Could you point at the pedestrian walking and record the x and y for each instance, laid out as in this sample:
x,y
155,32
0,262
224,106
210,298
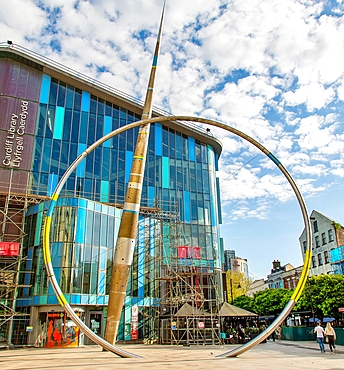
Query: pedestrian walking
x,y
330,334
319,331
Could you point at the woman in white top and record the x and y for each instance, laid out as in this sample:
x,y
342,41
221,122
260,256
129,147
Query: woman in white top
x,y
330,337
319,331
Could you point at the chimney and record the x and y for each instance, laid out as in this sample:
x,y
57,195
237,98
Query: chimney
x,y
276,265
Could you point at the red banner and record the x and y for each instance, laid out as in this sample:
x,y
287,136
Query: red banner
x,y
189,252
9,249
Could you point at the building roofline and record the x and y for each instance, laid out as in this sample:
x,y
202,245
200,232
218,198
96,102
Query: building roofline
x,y
57,70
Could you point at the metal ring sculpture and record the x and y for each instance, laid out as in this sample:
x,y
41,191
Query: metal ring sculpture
x,y
47,224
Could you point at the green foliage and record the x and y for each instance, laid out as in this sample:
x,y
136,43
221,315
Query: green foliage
x,y
337,225
245,302
323,294
271,301
267,302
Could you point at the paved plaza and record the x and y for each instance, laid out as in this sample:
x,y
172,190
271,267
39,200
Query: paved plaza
x,y
265,356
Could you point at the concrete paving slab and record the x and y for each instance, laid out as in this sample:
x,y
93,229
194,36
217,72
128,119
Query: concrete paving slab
x,y
265,356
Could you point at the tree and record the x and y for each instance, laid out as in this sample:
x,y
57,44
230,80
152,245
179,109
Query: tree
x,y
267,302
271,301
245,302
237,285
323,295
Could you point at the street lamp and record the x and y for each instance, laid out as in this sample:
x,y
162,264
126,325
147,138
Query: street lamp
x,y
231,286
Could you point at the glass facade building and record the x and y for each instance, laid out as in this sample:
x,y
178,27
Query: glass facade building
x,y
48,116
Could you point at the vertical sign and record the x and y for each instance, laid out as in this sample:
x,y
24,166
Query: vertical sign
x,y
134,322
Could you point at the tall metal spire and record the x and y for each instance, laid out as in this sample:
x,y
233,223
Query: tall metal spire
x,y
129,222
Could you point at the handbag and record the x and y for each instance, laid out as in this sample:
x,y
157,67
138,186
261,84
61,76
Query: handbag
x,y
326,339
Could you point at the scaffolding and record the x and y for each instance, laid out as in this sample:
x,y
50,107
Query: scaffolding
x,y
186,305
13,204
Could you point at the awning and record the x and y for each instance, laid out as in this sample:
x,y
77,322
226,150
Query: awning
x,y
233,311
328,319
188,310
314,320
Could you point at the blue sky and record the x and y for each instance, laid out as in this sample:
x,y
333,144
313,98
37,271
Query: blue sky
x,y
272,69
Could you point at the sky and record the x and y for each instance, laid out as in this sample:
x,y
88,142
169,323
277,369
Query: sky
x,y
272,69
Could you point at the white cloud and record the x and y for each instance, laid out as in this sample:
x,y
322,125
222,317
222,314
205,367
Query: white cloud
x,y
314,96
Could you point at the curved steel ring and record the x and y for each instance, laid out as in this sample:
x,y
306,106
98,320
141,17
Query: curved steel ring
x,y
47,224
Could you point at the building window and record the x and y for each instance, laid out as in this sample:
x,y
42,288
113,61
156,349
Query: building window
x,y
317,241
326,257
330,236
304,246
313,262
315,226
323,238
320,259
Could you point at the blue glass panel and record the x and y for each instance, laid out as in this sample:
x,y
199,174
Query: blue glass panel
x,y
58,127
151,196
191,141
105,168
107,130
216,162
85,101
61,95
82,203
76,299
101,107
56,256
52,182
99,127
104,191
70,97
29,260
108,109
91,129
81,226
46,155
38,154
101,283
64,158
80,170
213,211
165,173
52,299
219,211
45,88
67,125
187,213
77,99
101,300
38,228
55,156
53,92
211,158
41,120
93,106
84,299
179,146
98,154
75,126
128,164
83,127
102,255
